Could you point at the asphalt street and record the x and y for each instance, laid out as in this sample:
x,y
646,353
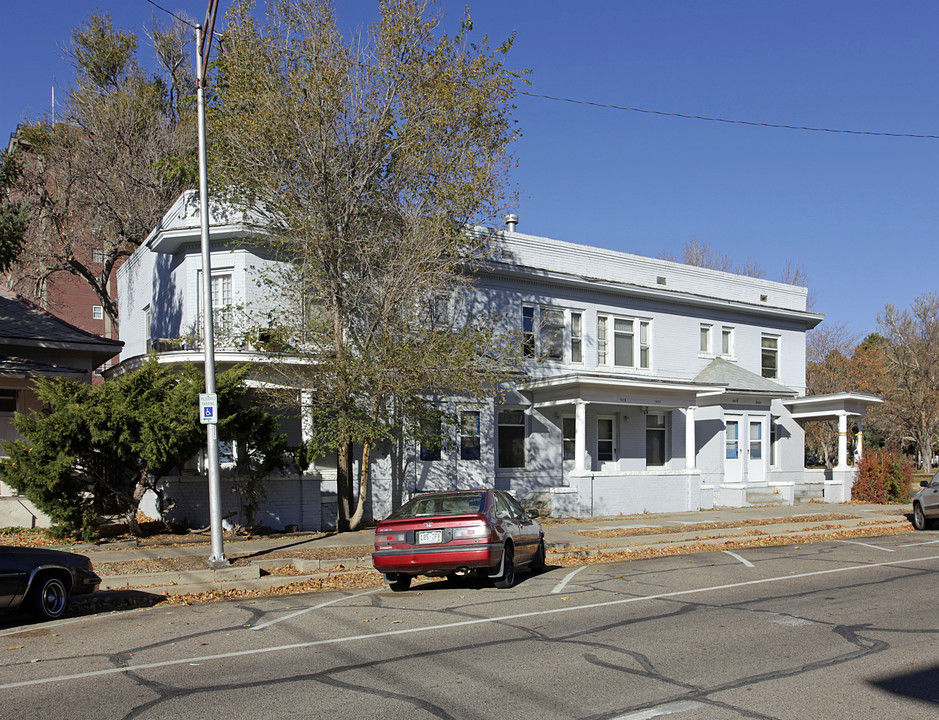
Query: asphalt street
x,y
840,629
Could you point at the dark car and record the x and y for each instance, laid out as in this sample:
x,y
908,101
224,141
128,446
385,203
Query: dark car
x,y
926,504
456,533
43,580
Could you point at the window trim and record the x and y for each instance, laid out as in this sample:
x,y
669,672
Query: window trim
x,y
727,331
776,352
499,438
705,346
470,451
663,429
606,342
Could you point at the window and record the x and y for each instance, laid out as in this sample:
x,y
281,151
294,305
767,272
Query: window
x,y
511,438
7,402
430,447
146,328
631,342
655,440
569,434
605,447
756,441
727,341
577,340
732,440
528,331
469,435
705,344
221,301
545,332
552,333
97,256
770,357
97,312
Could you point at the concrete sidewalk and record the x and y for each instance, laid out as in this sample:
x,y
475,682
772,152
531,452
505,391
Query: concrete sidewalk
x,y
181,568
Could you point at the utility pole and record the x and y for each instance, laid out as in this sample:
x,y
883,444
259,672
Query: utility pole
x,y
208,407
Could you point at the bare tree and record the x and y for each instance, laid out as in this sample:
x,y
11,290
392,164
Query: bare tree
x,y
912,355
99,178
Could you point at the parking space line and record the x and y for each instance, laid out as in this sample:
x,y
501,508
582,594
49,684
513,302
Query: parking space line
x,y
917,544
315,607
567,578
868,545
741,559
669,709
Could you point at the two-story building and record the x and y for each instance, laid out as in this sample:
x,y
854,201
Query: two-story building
x,y
649,385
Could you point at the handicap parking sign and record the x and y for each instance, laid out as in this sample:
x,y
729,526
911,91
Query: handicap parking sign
x,y
208,408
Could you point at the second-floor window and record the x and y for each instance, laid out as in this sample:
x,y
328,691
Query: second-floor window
x,y
547,330
624,342
704,344
469,435
769,357
727,341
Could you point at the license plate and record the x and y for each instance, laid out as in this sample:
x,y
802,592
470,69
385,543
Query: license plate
x,y
425,537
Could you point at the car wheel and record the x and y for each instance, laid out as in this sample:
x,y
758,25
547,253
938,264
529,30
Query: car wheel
x,y
49,598
399,582
919,518
507,578
538,562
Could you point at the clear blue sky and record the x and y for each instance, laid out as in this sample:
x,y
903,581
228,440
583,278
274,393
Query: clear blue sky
x,y
859,212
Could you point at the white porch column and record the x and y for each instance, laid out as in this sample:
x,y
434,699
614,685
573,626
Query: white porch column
x,y
842,441
859,442
690,460
580,435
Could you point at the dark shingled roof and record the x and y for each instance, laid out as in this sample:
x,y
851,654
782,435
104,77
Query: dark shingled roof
x,y
23,323
23,367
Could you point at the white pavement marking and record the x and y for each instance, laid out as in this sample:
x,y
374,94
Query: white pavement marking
x,y
655,712
737,557
567,578
315,607
462,623
868,545
917,544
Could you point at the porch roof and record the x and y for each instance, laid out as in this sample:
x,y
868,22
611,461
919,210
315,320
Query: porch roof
x,y
737,380
831,404
620,390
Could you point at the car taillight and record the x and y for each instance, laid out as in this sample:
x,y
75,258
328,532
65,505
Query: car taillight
x,y
383,538
471,531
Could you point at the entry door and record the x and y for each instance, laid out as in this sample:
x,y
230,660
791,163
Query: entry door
x,y
756,450
733,452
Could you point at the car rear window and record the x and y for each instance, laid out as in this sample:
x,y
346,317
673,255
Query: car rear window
x,y
448,504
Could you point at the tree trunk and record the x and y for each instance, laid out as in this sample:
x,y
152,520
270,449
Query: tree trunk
x,y
363,488
343,486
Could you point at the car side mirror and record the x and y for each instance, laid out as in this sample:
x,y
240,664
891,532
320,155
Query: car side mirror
x,y
533,514
924,483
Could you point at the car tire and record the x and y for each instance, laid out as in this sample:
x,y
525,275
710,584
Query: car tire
x,y
49,597
507,578
919,518
399,582
538,562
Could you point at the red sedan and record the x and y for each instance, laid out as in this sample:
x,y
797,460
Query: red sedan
x,y
458,532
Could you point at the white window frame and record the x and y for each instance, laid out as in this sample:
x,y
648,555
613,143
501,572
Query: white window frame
x,y
222,312
663,430
641,341
536,331
97,312
777,350
704,339
523,425
727,331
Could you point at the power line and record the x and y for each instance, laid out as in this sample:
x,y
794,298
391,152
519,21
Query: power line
x,y
725,120
169,12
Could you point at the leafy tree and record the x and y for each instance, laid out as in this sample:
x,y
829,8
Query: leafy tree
x,y
912,359
97,449
883,476
369,159
99,177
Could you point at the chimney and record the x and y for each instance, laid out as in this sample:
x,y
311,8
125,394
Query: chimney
x,y
511,221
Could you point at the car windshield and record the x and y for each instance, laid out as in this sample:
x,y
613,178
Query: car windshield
x,y
445,504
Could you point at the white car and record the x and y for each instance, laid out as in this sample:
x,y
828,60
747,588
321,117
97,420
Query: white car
x,y
926,504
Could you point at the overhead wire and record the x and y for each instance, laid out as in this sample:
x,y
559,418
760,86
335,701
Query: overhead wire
x,y
726,120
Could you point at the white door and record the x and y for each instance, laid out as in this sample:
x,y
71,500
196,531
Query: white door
x,y
733,467
756,450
